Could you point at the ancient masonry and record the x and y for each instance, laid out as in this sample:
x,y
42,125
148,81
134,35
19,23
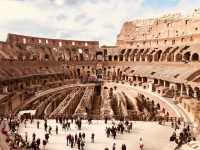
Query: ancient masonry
x,y
159,55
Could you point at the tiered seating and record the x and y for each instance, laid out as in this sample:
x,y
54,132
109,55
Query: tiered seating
x,y
61,107
70,103
85,102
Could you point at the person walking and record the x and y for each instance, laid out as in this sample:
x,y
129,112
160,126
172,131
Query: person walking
x,y
82,144
56,130
141,145
114,146
38,124
92,137
26,136
44,144
79,143
123,147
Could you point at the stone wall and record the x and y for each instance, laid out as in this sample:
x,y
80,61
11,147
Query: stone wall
x,y
170,29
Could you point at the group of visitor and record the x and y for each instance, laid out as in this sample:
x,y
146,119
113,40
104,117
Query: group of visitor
x,y
181,135
120,128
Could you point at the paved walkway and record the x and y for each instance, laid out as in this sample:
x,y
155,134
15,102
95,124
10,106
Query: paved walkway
x,y
149,131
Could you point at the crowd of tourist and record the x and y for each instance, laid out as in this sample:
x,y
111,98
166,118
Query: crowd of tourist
x,y
119,128
9,127
182,134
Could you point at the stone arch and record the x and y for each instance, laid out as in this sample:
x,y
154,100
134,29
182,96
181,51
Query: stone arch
x,y
197,91
120,57
115,58
109,58
191,92
149,58
155,81
99,55
178,57
81,57
46,57
195,57
157,55
187,56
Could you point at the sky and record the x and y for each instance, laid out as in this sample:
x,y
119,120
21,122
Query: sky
x,y
99,20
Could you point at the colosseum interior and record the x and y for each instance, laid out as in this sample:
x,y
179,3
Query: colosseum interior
x,y
151,74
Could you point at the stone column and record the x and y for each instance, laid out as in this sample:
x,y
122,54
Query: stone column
x,y
136,78
129,59
187,91
181,93
164,83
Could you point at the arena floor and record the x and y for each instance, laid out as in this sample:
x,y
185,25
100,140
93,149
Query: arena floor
x,y
155,136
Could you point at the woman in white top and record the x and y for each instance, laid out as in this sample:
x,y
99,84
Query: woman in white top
x,y
141,145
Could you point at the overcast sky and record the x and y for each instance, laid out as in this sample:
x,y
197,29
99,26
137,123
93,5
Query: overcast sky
x,y
81,19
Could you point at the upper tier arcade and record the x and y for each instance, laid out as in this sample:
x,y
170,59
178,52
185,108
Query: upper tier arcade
x,y
172,29
30,40
20,47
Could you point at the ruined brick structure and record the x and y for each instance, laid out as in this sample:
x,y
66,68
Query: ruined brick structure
x,y
159,55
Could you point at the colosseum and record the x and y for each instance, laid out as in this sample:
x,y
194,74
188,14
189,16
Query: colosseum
x,y
145,89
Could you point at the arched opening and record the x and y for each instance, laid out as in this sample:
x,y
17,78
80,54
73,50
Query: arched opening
x,y
191,92
109,58
157,55
99,56
78,72
105,53
187,56
195,57
178,57
197,91
46,57
115,58
81,57
149,58
120,57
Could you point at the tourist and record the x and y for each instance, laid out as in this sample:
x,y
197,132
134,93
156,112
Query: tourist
x,y
83,135
38,124
45,125
108,132
50,128
106,120
76,138
34,136
79,143
114,146
72,141
82,144
123,147
92,137
141,145
44,144
38,143
56,129
68,137
47,137
26,136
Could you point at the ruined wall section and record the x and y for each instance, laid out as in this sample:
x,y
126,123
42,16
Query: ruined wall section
x,y
170,29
